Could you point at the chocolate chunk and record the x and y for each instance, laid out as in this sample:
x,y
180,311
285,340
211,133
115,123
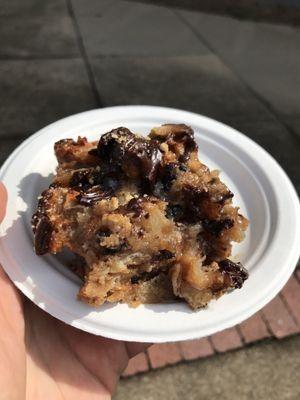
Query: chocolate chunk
x,y
135,205
174,211
189,146
85,179
135,279
103,232
111,146
167,175
80,179
183,167
223,197
235,272
137,157
195,203
216,227
43,234
163,255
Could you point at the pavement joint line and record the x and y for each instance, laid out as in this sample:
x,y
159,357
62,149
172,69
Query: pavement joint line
x,y
289,310
148,359
238,329
265,320
257,96
212,344
38,57
82,50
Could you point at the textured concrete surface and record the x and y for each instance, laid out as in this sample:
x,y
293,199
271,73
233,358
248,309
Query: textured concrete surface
x,y
263,55
202,84
39,92
269,370
123,28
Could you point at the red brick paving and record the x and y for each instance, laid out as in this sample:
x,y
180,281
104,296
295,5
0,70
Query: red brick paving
x,y
280,318
193,349
291,296
226,340
254,329
163,354
137,364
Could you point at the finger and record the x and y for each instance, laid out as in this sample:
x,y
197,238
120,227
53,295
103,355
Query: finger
x,y
3,201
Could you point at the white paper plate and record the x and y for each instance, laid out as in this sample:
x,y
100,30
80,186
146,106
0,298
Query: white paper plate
x,y
262,189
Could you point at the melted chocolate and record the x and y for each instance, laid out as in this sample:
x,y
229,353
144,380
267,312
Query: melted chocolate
x,y
135,205
235,272
91,196
195,201
163,255
174,211
43,234
136,156
216,227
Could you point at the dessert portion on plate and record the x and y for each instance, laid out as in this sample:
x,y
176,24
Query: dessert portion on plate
x,y
147,221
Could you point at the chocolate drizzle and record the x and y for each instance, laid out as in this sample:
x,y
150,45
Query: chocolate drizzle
x,y
92,195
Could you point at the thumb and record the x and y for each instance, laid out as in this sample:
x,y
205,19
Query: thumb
x,y
3,201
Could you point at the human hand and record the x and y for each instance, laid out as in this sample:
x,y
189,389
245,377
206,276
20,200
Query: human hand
x,y
43,358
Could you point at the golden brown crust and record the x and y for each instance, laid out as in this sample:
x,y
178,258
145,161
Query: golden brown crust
x,y
148,220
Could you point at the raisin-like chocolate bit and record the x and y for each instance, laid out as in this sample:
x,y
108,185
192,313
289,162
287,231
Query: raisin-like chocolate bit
x,y
135,279
167,174
103,232
81,178
163,255
183,167
223,197
195,201
135,205
235,272
174,211
91,196
43,234
216,227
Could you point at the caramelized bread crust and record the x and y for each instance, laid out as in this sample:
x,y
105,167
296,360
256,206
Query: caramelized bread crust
x,y
146,219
